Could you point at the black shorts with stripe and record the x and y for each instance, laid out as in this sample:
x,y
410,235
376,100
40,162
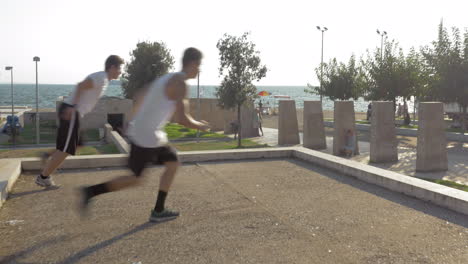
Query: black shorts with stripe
x,y
68,135
140,156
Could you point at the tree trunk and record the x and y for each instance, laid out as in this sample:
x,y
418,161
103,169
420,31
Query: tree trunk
x,y
239,126
463,121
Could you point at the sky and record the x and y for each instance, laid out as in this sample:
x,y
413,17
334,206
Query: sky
x,y
73,38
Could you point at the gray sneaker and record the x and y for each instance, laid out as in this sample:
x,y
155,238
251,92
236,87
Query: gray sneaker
x,y
165,215
48,182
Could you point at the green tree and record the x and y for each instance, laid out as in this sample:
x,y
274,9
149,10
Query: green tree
x,y
149,60
240,66
447,62
340,81
392,75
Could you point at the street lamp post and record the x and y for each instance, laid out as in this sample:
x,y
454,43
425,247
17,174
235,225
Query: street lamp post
x,y
321,64
198,103
382,35
37,59
10,68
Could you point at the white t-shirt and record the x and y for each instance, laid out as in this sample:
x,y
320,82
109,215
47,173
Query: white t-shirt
x,y
147,127
90,97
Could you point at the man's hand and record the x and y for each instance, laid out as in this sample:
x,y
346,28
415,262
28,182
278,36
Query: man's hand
x,y
68,113
203,125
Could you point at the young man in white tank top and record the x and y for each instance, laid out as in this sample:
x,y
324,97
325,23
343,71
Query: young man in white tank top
x,y
82,101
164,97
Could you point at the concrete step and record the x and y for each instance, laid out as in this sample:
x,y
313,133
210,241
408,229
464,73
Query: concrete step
x,y
10,169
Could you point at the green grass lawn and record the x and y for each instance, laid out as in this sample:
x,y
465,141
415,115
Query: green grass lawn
x,y
48,131
364,122
96,150
216,145
449,184
176,131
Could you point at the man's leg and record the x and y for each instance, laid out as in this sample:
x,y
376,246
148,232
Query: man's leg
x,y
160,213
56,159
66,144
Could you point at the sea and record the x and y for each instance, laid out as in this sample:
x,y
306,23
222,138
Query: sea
x,y
25,95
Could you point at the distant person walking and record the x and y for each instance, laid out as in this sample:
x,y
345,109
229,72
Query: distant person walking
x,y
258,120
369,111
82,101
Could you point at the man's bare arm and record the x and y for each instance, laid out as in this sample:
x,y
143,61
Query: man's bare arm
x,y
82,86
176,90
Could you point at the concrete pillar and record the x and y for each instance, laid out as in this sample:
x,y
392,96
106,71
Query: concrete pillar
x,y
343,116
432,144
107,133
383,142
288,130
314,131
247,119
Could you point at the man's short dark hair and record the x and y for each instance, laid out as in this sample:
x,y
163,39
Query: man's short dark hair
x,y
113,60
191,55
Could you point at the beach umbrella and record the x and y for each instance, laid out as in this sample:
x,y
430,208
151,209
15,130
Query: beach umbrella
x,y
263,93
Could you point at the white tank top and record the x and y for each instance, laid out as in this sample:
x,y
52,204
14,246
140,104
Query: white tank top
x,y
90,97
147,127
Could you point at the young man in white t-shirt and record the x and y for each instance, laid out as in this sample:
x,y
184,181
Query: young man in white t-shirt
x,y
149,144
82,101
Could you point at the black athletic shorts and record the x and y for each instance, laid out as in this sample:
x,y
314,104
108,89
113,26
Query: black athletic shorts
x,y
68,135
140,156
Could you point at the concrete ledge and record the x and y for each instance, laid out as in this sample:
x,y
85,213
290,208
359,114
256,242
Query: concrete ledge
x,y
10,170
107,133
408,132
447,197
450,198
79,162
119,142
119,160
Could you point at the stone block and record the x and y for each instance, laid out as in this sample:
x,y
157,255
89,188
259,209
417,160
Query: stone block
x,y
288,130
314,131
383,142
432,142
343,120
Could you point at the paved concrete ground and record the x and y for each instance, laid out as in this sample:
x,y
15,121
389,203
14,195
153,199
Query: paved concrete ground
x,y
273,211
457,158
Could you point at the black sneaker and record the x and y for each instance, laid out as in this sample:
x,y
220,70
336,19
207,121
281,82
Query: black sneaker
x,y
85,199
165,215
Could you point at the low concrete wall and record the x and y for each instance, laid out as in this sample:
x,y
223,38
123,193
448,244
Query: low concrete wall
x,y
220,119
119,160
98,117
107,133
119,142
447,197
451,136
29,117
10,170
